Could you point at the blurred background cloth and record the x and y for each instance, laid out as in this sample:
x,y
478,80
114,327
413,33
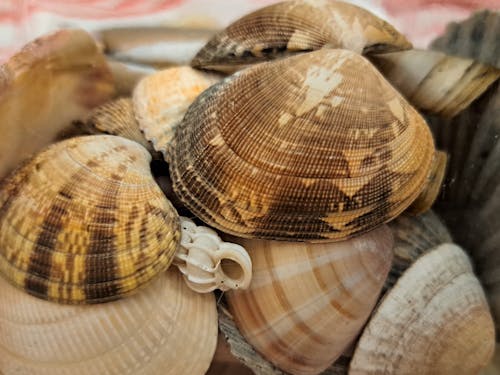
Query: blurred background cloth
x,y
23,20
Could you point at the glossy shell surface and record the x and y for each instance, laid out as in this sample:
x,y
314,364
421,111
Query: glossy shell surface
x,y
85,222
307,302
165,329
317,146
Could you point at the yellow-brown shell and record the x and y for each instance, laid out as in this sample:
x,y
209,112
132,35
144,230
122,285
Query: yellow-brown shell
x,y
85,222
317,146
161,100
293,27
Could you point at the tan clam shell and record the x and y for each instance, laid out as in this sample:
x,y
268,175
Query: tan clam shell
x,y
317,146
117,117
53,80
436,82
85,222
161,100
307,302
293,27
164,329
435,320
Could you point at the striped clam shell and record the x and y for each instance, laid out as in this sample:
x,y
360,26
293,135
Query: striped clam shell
x,y
435,320
85,222
318,146
161,100
165,329
293,27
307,302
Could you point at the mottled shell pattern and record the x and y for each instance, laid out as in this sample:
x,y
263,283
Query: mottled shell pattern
x,y
166,329
307,302
435,321
161,100
85,222
292,27
315,147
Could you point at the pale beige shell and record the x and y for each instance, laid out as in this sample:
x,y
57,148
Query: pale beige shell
x,y
292,27
162,99
307,302
53,80
434,81
435,320
164,329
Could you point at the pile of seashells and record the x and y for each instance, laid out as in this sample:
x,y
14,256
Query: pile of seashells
x,y
312,162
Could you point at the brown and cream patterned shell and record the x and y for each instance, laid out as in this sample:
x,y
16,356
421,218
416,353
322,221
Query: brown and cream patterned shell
x,y
318,146
307,302
293,27
85,222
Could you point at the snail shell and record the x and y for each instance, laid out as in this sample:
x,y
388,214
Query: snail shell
x,y
434,321
307,302
85,222
317,146
161,100
165,329
293,27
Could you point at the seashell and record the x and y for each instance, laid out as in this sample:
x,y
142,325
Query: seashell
x,y
117,117
292,27
470,201
85,222
435,320
158,45
164,329
307,302
208,263
434,81
127,75
53,80
475,38
162,99
413,237
305,150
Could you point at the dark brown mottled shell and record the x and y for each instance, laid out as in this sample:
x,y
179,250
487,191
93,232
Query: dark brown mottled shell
x,y
85,222
317,146
293,27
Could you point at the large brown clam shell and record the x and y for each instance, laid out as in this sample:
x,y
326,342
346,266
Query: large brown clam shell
x,y
166,329
85,222
317,146
435,320
307,302
293,27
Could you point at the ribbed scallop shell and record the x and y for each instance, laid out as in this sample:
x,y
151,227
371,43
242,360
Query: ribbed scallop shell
x,y
85,222
161,100
435,320
293,27
166,329
117,117
307,302
317,146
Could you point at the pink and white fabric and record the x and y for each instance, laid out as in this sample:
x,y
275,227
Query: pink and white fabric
x,y
23,20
